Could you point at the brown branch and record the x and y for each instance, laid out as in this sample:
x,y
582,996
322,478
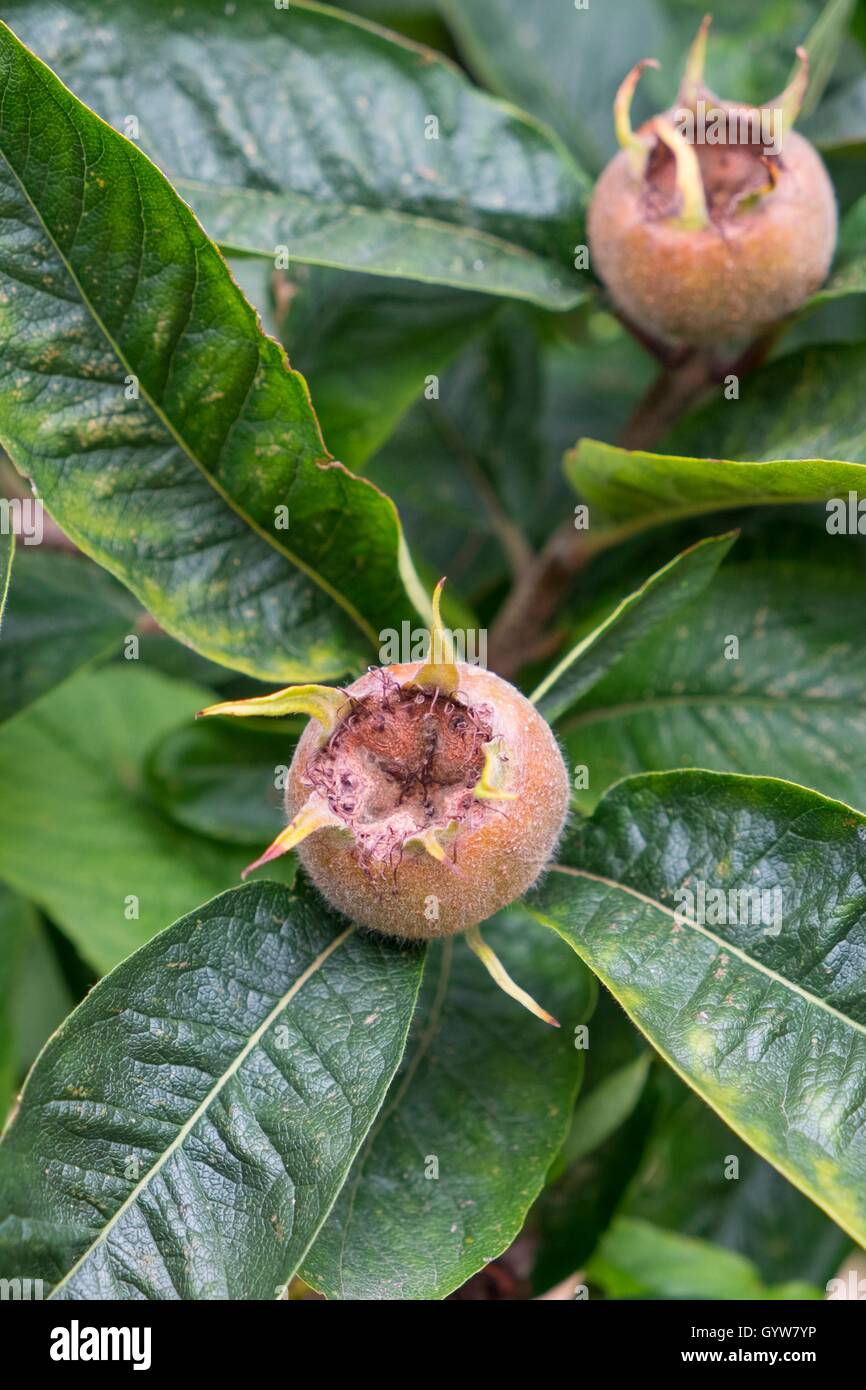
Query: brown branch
x,y
520,626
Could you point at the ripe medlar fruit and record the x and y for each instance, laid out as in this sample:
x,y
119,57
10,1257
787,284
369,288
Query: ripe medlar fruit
x,y
422,798
716,219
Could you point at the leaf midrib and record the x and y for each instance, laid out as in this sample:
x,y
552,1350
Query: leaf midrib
x,y
164,420
384,214
719,941
204,1105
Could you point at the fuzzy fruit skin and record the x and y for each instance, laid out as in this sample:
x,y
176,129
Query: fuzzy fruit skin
x,y
497,861
725,282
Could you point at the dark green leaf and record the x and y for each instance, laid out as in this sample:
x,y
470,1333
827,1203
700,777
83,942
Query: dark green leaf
x,y
223,780
637,1259
484,1094
848,275
795,435
368,347
80,835
587,1183
306,129
765,1015
109,289
634,619
17,923
698,1178
63,614
792,704
184,1134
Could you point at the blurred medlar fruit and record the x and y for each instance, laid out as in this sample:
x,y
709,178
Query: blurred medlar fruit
x,y
715,220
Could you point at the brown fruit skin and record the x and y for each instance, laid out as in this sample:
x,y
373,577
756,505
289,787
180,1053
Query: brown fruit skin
x,y
729,281
496,861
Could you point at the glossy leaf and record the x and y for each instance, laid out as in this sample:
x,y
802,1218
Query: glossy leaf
x,y
765,1016
633,619
63,613
185,1132
482,1099
330,154
161,427
792,704
81,836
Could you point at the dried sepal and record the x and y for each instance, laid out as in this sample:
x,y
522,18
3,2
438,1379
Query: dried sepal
x,y
439,672
321,702
492,785
316,815
497,971
636,146
692,86
690,185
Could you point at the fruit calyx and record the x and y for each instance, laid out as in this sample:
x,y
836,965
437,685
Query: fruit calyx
x,y
692,183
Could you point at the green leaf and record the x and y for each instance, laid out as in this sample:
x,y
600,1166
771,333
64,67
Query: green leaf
x,y
636,1258
765,1016
368,345
791,705
839,125
823,46
699,1179
595,1168
330,153
633,619
185,1133
565,62
485,1093
17,923
63,614
180,490
602,1110
42,998
80,835
220,778
561,63
796,435
487,455
848,275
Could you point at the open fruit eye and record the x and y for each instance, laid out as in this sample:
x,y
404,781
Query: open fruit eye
x,y
716,219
